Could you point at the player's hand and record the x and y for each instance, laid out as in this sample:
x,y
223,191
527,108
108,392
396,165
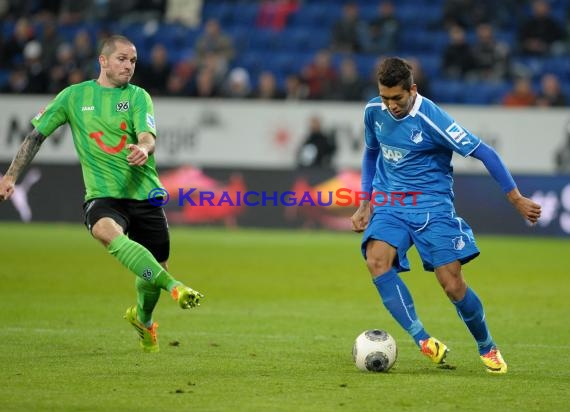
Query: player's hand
x,y
7,185
528,209
360,218
138,155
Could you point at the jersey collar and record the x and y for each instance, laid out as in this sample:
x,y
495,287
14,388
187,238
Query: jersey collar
x,y
415,107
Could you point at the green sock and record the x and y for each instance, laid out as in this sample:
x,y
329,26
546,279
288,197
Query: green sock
x,y
141,262
147,298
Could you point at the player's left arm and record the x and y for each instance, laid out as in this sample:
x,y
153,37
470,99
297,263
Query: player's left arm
x,y
140,151
527,208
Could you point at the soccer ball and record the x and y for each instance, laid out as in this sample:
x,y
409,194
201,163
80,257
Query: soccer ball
x,y
374,350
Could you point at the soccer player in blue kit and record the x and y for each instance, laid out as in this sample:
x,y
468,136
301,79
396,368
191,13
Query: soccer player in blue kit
x,y
409,142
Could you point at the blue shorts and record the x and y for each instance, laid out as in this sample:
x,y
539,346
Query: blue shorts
x,y
439,237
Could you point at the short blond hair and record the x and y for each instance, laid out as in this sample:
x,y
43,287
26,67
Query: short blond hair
x,y
109,45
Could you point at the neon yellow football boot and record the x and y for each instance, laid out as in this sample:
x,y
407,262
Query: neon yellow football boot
x,y
494,362
148,336
434,349
186,297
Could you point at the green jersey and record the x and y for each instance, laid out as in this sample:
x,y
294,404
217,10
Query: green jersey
x,y
104,121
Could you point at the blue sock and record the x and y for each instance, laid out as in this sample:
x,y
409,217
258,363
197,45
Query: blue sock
x,y
470,310
397,299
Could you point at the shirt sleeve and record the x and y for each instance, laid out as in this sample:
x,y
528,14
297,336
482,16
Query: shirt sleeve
x,y
369,136
495,166
452,135
143,119
53,115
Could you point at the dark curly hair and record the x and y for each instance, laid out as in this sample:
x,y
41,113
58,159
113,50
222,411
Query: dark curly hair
x,y
394,71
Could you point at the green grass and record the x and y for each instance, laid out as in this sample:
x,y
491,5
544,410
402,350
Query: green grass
x,y
275,332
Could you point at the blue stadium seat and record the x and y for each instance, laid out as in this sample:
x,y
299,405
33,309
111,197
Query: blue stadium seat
x,y
559,66
4,75
447,91
430,63
245,14
223,12
172,35
484,93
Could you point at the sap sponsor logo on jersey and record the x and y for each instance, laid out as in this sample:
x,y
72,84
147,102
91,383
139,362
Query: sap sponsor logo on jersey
x,y
416,136
393,154
87,108
457,133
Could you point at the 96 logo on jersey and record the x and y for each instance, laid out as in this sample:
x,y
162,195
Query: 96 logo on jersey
x,y
393,154
122,106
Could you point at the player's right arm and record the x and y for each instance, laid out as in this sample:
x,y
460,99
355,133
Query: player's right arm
x,y
361,217
45,122
27,151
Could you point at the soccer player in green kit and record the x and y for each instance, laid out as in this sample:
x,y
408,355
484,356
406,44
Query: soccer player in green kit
x,y
113,128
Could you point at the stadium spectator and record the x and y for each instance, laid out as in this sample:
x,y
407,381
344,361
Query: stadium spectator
x,y
50,40
237,84
74,12
550,93
205,84
457,60
491,58
420,79
541,34
152,9
84,52
181,77
185,12
347,31
562,155
213,41
176,86
76,76
295,88
155,73
14,9
35,70
381,35
267,87
121,206
4,61
17,81
468,13
445,242
320,75
485,61
14,47
349,86
521,94
274,14
59,73
318,148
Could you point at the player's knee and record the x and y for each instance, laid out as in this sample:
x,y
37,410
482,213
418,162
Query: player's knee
x,y
105,230
455,288
377,265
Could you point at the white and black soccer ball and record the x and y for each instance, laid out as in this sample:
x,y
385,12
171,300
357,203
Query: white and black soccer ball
x,y
374,350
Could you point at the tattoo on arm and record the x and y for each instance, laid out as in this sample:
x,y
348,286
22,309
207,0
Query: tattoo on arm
x,y
26,153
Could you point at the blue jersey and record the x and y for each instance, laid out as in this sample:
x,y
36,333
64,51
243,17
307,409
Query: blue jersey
x,y
414,160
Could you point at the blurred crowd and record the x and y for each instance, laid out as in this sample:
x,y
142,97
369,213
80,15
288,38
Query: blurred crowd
x,y
47,45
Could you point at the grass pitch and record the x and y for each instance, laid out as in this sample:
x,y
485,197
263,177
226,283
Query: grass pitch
x,y
275,331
